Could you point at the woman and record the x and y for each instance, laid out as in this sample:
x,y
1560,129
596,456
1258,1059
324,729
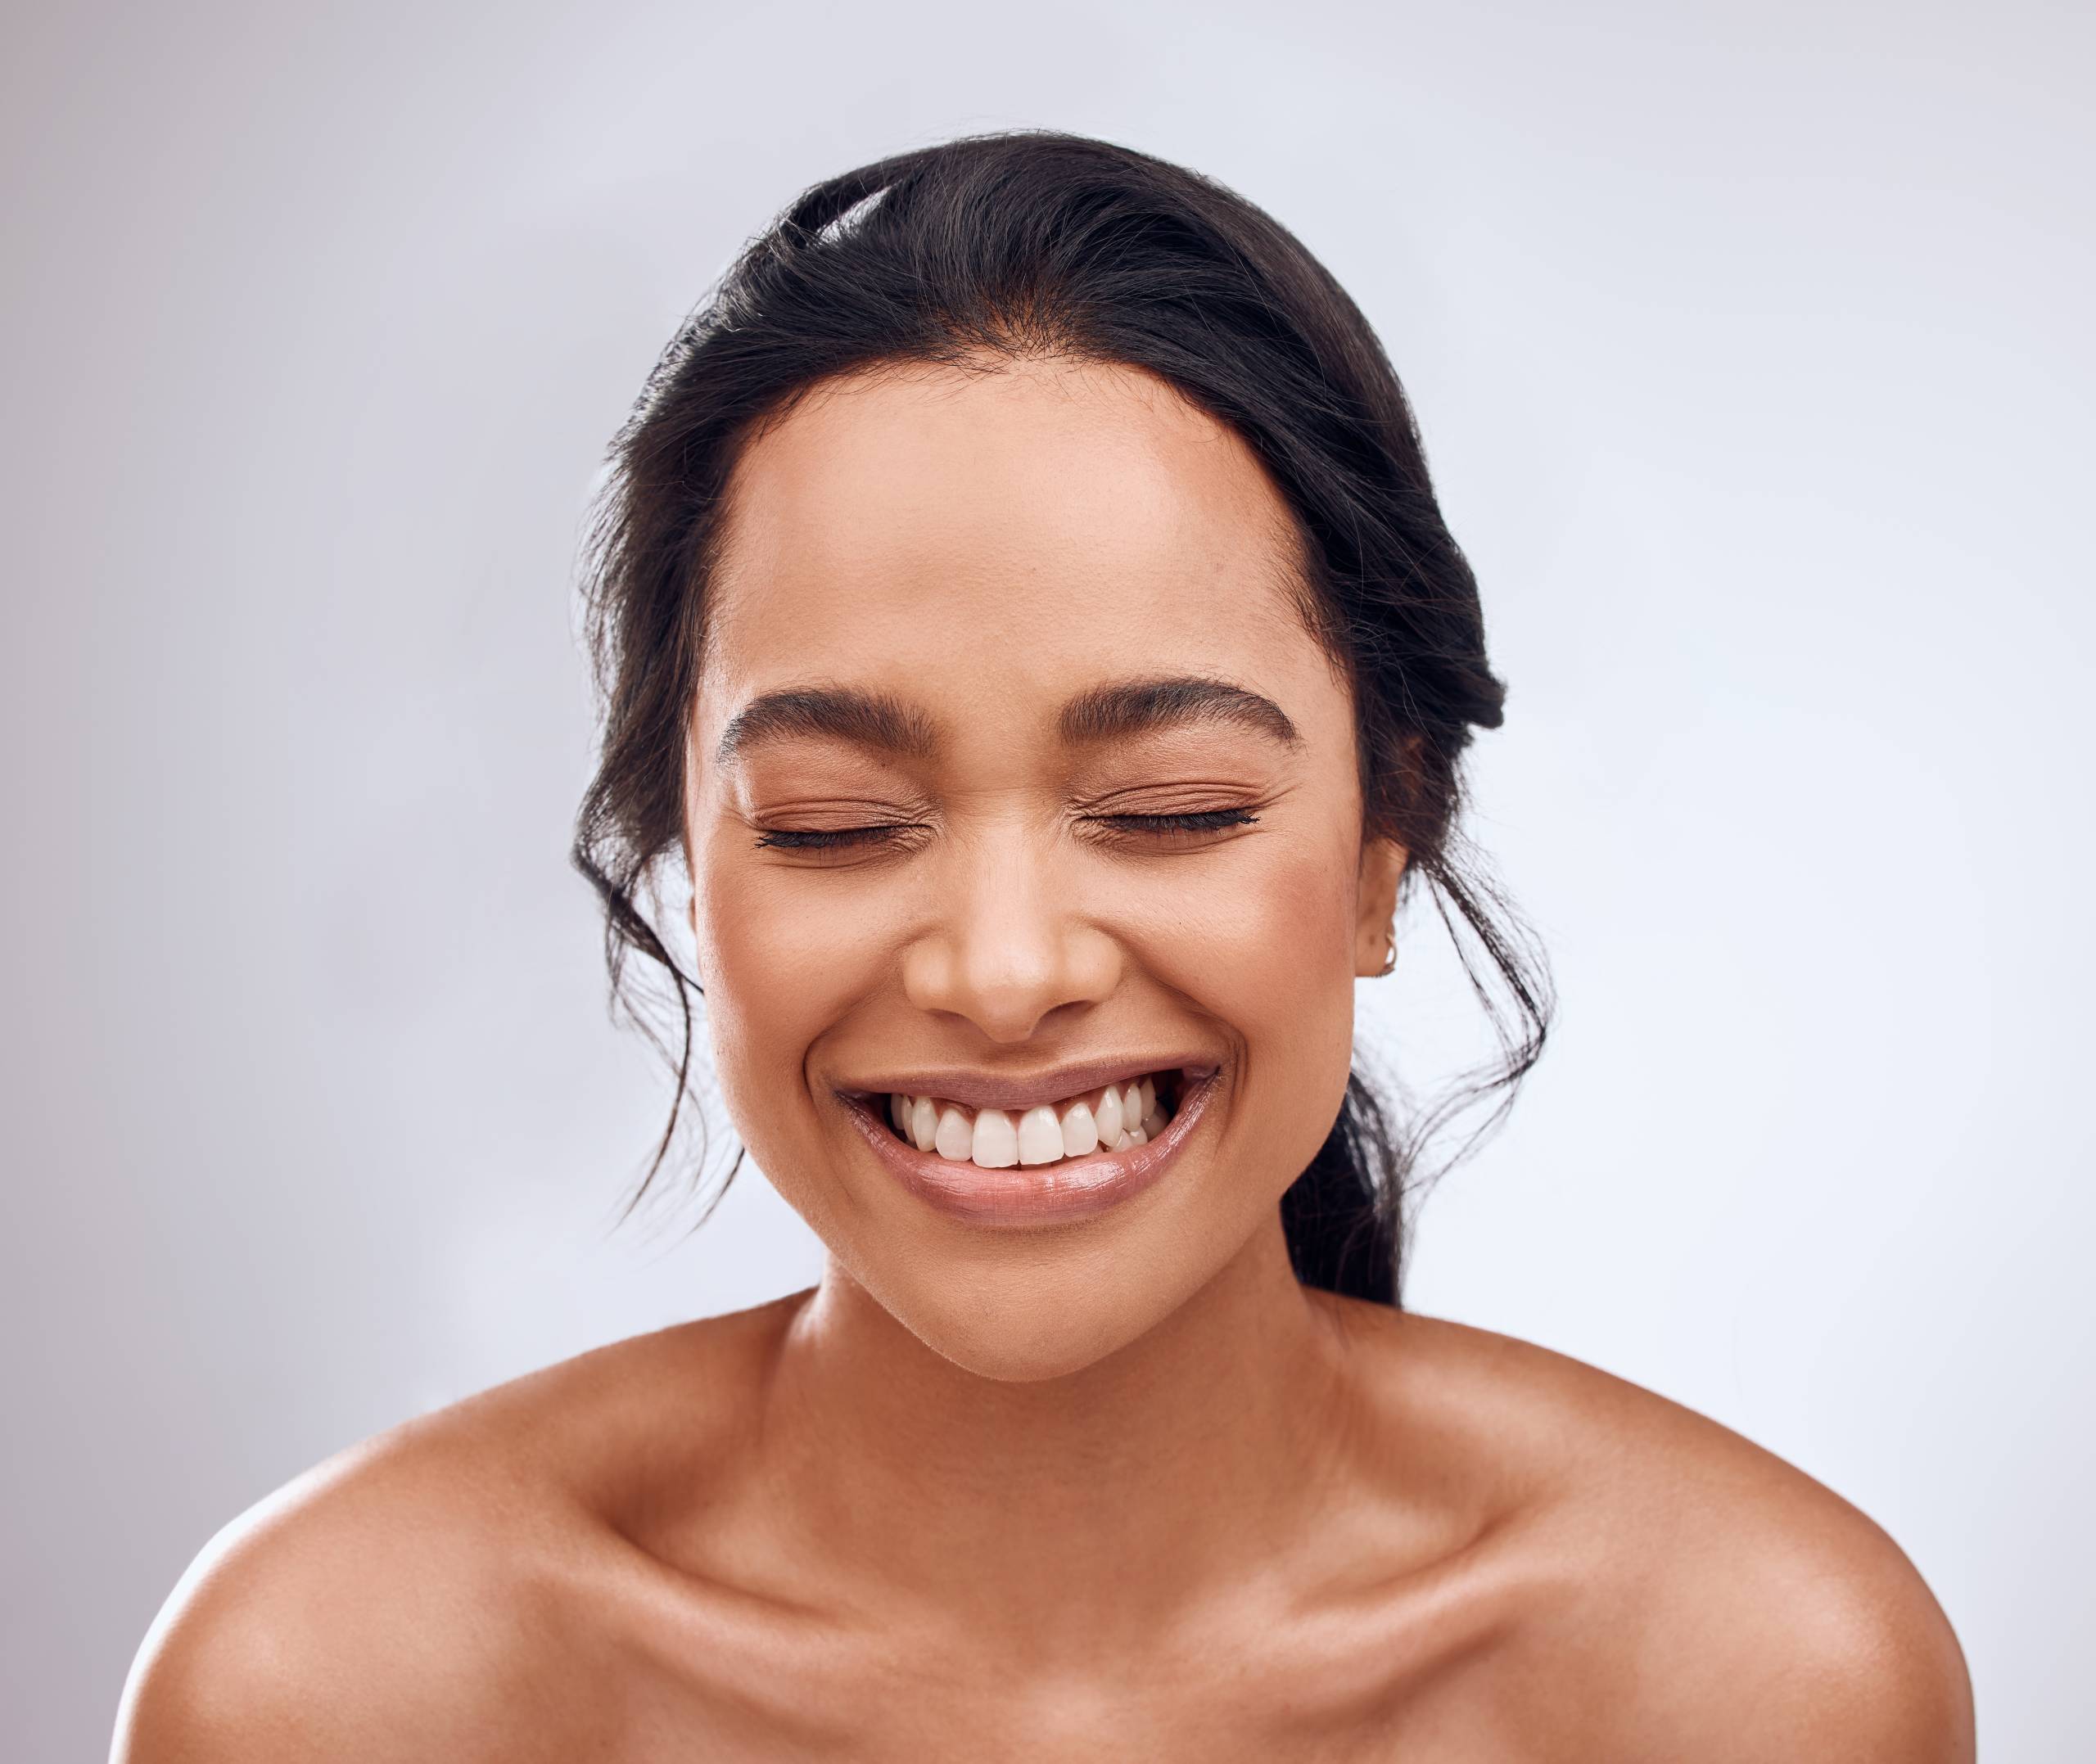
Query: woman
x,y
1024,609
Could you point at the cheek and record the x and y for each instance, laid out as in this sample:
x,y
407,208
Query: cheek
x,y
1269,952
781,964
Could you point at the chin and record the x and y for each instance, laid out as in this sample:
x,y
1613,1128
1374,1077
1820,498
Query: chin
x,y
1026,1326
1023,1356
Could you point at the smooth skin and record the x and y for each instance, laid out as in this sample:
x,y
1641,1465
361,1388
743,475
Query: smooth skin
x,y
1113,1489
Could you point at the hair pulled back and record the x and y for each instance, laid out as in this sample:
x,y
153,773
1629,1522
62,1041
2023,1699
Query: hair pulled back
x,y
1049,245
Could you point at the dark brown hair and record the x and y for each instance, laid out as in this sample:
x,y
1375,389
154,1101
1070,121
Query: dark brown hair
x,y
1035,244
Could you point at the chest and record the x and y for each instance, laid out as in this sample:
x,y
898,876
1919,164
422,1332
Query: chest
x,y
1286,1698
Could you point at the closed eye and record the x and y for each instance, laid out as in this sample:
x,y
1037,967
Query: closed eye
x,y
1139,836
793,839
1204,821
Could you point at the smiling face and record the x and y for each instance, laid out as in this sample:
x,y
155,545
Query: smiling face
x,y
1012,756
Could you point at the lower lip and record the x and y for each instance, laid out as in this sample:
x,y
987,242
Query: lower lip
x,y
1034,1195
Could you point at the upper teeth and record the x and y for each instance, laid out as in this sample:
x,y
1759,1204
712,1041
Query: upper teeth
x,y
1116,1118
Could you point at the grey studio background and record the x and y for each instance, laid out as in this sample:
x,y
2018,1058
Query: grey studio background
x,y
1751,347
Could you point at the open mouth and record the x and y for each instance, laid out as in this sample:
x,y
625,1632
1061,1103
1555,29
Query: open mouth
x,y
1047,1164
1110,1119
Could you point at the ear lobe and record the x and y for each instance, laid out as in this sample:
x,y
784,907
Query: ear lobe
x,y
1383,864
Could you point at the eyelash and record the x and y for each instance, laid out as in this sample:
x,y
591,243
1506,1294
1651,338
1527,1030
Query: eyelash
x,y
1207,821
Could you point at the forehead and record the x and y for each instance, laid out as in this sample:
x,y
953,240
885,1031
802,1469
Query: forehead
x,y
1036,522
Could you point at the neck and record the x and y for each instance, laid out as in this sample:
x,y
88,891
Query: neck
x,y
1119,1493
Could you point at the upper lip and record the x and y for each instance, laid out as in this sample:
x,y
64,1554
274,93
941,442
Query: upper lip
x,y
983,1090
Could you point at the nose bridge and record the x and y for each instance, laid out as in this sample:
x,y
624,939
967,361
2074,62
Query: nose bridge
x,y
1007,943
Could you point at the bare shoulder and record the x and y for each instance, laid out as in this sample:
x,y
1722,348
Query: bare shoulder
x,y
1680,1591
435,1592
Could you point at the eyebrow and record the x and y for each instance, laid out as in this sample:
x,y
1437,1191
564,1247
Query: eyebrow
x,y
837,713
1119,711
1135,707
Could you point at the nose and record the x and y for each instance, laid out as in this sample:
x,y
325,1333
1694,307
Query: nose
x,y
1009,946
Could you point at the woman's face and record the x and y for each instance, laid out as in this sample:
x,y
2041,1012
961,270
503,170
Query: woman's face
x,y
967,630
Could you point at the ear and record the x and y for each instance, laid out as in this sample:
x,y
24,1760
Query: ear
x,y
1382,868
691,908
